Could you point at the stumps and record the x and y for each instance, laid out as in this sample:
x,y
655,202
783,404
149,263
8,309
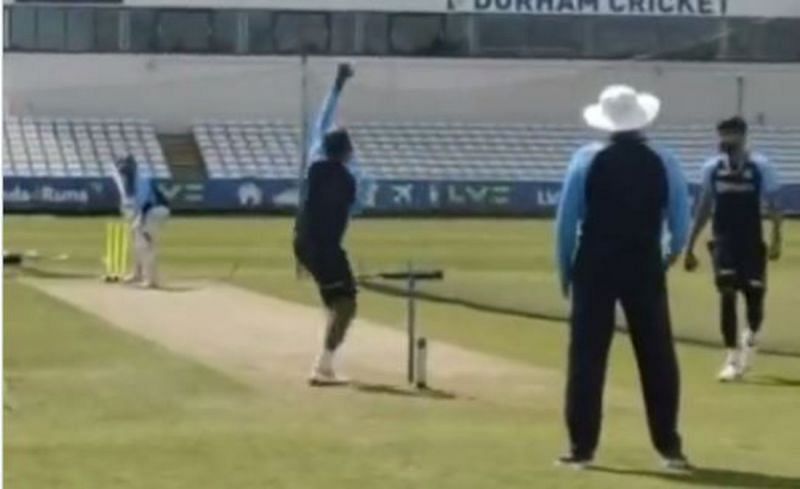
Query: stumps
x,y
116,254
417,359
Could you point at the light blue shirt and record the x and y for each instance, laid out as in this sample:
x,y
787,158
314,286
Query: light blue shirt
x,y
322,125
136,189
572,208
144,196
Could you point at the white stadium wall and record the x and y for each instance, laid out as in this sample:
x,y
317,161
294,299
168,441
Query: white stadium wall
x,y
173,91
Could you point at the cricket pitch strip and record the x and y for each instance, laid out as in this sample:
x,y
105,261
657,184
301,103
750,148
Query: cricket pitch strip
x,y
270,342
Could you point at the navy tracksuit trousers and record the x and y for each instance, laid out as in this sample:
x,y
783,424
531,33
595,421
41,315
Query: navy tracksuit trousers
x,y
643,297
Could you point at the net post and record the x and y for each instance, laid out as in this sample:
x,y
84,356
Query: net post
x,y
304,145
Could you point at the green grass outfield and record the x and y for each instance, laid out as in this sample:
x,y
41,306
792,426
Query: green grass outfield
x,y
93,407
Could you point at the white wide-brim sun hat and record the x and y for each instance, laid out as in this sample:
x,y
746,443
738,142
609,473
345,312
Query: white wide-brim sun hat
x,y
621,108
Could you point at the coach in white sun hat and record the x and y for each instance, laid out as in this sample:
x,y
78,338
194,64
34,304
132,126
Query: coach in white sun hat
x,y
618,197
621,108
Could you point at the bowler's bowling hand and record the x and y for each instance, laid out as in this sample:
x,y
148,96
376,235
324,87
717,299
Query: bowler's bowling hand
x,y
690,262
775,250
345,72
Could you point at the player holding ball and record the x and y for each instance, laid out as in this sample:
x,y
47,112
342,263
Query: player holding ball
x,y
327,199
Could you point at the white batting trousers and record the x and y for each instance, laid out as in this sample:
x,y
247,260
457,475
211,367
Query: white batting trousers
x,y
146,229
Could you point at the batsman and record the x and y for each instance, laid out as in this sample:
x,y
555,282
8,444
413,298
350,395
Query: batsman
x,y
147,209
328,197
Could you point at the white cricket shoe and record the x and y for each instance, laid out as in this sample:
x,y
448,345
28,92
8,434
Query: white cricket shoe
x,y
678,463
323,373
135,277
574,462
132,279
731,369
325,378
749,349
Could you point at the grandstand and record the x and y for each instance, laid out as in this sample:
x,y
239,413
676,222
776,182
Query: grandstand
x,y
473,106
248,148
452,151
81,148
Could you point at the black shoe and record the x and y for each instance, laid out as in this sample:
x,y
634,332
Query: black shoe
x,y
574,462
677,463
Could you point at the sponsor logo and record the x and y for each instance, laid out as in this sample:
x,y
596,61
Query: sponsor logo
x,y
458,5
46,194
433,195
402,194
250,195
548,198
368,194
478,194
594,7
183,193
288,198
735,187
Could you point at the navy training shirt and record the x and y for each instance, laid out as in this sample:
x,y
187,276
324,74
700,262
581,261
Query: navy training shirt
x,y
626,194
737,194
330,193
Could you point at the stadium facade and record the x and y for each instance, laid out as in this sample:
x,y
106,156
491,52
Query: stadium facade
x,y
115,75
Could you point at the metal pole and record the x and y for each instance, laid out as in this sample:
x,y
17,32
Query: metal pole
x,y
725,39
304,117
412,322
740,95
304,149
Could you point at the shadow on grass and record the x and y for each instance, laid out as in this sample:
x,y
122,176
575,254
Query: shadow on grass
x,y
708,477
395,291
772,381
391,390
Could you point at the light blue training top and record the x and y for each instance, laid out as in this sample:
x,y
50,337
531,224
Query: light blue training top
x,y
145,196
136,189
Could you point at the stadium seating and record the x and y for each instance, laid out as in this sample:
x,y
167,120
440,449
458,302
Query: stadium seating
x,y
458,151
80,148
62,147
248,148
